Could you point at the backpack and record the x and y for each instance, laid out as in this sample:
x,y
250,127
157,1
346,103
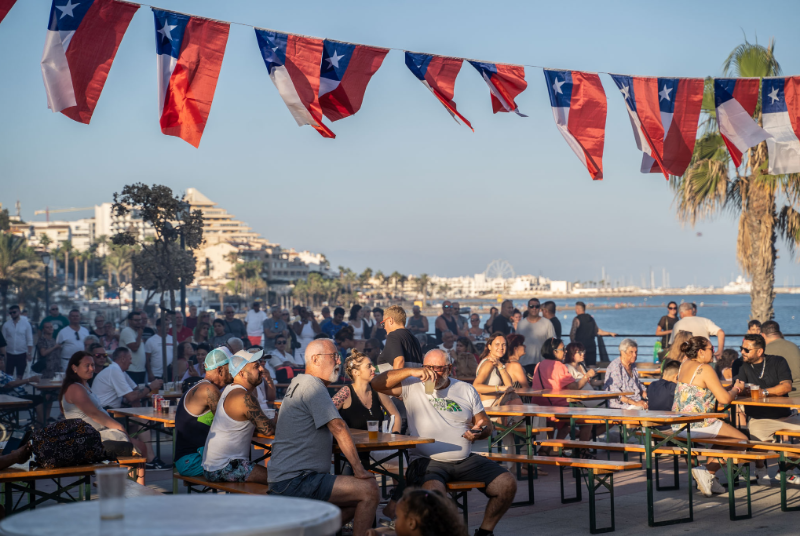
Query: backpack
x,y
67,443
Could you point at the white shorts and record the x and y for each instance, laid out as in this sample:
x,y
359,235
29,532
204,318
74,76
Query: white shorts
x,y
712,430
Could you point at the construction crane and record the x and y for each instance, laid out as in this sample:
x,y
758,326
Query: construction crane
x,y
47,211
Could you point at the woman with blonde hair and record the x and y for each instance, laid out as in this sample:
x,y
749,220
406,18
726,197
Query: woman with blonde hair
x,y
675,350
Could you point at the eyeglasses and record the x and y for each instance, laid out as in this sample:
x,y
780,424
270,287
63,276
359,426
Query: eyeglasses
x,y
280,342
336,355
534,306
436,369
672,308
447,306
101,355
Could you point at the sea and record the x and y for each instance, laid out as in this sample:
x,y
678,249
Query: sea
x,y
639,315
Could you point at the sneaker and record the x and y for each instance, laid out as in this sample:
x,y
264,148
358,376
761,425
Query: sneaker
x,y
716,487
476,533
705,481
762,476
793,480
156,465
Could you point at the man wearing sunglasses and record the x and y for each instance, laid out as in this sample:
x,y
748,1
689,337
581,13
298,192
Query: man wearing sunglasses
x,y
71,338
536,329
446,322
58,320
454,416
100,356
19,342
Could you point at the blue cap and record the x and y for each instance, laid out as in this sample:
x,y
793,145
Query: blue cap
x,y
217,357
240,359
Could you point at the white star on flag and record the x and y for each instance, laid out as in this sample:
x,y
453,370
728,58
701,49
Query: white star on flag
x,y
773,95
625,90
334,60
165,31
67,9
665,92
557,86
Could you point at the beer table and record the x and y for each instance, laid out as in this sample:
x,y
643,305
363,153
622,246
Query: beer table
x,y
574,395
641,371
363,443
644,418
158,422
49,390
771,402
9,409
184,515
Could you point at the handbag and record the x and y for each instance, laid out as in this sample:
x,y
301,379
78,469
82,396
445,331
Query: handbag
x,y
39,362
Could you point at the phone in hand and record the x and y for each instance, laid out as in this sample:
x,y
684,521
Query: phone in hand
x,y
477,431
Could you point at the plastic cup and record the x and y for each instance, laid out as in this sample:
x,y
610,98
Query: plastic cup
x,y
429,387
111,492
755,392
372,429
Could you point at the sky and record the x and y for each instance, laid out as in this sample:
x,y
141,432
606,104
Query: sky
x,y
403,187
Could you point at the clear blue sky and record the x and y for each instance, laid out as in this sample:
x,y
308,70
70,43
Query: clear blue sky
x,y
402,187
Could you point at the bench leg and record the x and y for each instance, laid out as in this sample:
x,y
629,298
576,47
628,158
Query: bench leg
x,y
744,470
462,504
594,482
783,464
676,481
578,490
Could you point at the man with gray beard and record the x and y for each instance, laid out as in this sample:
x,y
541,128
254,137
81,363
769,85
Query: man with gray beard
x,y
301,452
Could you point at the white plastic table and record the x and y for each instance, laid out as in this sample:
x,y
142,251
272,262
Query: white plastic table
x,y
184,515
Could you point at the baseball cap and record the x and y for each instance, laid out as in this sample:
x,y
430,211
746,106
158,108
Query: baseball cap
x,y
242,358
217,357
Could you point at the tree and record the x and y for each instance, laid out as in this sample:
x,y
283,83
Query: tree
x,y
45,241
164,264
17,265
421,285
365,276
712,185
66,249
5,221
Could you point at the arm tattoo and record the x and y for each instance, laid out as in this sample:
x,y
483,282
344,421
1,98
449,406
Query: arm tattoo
x,y
256,416
212,399
340,397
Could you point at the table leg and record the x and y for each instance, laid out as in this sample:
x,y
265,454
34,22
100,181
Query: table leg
x,y
529,444
174,442
648,457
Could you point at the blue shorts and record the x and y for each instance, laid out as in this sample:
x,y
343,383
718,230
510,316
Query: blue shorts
x,y
191,464
236,471
310,485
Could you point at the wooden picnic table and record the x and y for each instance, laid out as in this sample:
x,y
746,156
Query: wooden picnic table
x,y
644,418
573,394
8,401
9,407
50,390
158,422
641,371
771,402
184,515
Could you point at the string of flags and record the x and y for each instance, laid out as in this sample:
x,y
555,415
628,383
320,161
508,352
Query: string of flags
x,y
319,78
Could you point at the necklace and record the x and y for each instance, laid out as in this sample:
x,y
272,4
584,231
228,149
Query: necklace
x,y
362,401
763,368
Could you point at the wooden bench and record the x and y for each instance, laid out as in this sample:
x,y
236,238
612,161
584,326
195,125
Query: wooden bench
x,y
730,456
788,433
788,454
598,473
458,491
198,484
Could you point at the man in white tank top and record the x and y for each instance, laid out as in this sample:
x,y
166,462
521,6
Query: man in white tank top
x,y
227,451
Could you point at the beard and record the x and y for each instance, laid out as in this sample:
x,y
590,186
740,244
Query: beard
x,y
334,377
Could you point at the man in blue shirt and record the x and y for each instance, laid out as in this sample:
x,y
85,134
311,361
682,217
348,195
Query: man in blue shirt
x,y
332,326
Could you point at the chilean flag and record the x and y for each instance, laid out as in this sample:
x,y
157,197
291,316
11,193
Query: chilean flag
x,y
82,40
780,108
293,63
579,109
505,82
5,7
190,52
438,74
664,113
345,71
736,100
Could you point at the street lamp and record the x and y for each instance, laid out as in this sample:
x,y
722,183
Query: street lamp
x,y
46,262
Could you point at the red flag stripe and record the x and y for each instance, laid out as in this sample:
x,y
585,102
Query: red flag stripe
x,y
346,99
5,7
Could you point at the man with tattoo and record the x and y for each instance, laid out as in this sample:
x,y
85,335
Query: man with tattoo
x,y
226,456
301,452
196,411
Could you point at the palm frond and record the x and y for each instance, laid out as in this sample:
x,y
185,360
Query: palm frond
x,y
789,227
752,60
702,191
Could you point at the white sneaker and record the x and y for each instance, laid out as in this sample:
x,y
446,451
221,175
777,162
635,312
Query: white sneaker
x,y
762,476
704,480
794,480
716,487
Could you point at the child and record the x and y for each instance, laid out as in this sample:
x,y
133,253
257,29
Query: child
x,y
661,393
424,512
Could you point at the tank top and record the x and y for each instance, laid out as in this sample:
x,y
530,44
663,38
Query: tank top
x,y
306,336
585,334
191,431
358,332
357,415
227,439
416,322
367,327
490,399
690,398
71,411
452,326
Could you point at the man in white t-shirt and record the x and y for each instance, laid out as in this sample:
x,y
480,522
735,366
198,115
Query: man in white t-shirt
x,y
113,388
455,418
254,320
154,354
698,327
131,338
71,338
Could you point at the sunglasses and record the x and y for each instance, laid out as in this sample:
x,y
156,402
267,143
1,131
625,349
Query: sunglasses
x,y
280,342
101,355
436,369
746,350
672,308
447,306
534,306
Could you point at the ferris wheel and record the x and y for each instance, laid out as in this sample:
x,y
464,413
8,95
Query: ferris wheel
x,y
499,269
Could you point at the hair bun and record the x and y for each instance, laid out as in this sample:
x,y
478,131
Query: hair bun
x,y
685,347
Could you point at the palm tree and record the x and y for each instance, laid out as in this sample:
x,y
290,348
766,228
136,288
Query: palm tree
x,y
16,263
45,241
380,278
421,285
395,278
66,248
365,276
712,185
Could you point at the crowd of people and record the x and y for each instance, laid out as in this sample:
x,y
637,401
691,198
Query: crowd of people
x,y
228,368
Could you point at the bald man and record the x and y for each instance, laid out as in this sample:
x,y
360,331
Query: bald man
x,y
301,452
454,416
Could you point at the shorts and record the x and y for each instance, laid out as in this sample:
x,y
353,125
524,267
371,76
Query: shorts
x,y
473,468
712,430
309,485
236,471
764,429
191,464
18,362
254,340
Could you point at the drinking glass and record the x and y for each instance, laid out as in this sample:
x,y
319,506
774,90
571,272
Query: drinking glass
x,y
111,492
372,429
429,385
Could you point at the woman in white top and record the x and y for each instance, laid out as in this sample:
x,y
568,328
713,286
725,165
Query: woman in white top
x,y
78,402
305,329
492,381
356,320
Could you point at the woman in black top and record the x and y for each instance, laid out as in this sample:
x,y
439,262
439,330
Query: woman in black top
x,y
357,402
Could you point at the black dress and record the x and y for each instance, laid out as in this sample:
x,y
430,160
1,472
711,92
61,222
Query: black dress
x,y
357,415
